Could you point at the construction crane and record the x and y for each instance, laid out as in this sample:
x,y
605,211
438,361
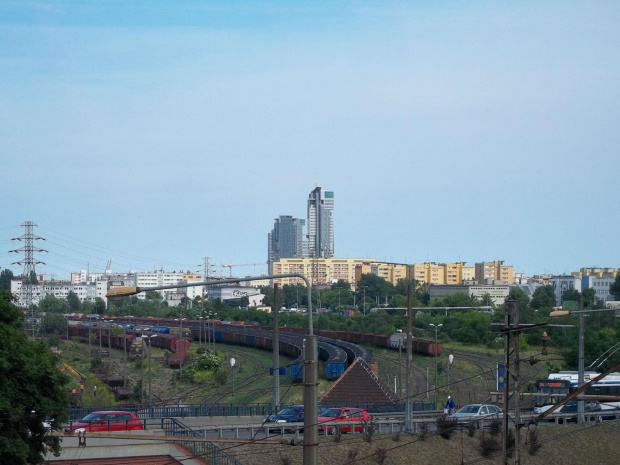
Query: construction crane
x,y
67,367
230,266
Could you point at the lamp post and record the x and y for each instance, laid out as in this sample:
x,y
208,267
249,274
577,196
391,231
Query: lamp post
x,y
125,349
436,385
180,320
450,360
400,366
365,299
232,368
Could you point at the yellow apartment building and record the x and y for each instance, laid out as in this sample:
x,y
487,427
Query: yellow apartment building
x,y
326,271
494,271
322,271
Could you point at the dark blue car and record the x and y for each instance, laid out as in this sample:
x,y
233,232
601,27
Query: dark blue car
x,y
291,414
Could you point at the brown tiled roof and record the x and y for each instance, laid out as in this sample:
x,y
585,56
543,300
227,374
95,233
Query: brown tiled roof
x,y
358,384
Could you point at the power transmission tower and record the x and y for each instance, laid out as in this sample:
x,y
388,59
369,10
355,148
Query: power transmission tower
x,y
29,273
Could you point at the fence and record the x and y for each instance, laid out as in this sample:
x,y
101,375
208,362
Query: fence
x,y
226,410
207,451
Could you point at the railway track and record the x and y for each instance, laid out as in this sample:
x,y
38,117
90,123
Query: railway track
x,y
258,369
396,368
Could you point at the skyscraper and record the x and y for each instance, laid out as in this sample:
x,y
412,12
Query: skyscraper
x,y
320,224
286,238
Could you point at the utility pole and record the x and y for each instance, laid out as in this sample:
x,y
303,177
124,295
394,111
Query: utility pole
x,y
509,311
580,368
276,350
512,330
408,419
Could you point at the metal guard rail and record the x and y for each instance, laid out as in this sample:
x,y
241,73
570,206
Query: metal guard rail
x,y
207,451
227,410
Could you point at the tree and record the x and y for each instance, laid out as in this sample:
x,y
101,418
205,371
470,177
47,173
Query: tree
x,y
458,299
614,289
99,306
74,302
32,279
31,390
525,308
6,276
51,304
572,295
544,297
55,323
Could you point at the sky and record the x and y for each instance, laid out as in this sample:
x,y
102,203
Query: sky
x,y
158,133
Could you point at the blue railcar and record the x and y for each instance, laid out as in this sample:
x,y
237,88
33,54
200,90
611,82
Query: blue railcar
x,y
250,339
219,336
297,372
334,370
161,329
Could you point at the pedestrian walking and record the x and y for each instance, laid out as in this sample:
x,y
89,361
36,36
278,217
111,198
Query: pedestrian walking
x,y
82,388
95,391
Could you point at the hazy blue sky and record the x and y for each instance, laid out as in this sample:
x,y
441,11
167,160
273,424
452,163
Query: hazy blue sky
x,y
158,133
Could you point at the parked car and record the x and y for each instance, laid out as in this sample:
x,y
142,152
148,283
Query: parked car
x,y
346,415
291,414
569,407
476,413
106,421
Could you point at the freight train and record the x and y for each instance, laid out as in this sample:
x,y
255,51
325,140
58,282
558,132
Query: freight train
x,y
133,343
337,349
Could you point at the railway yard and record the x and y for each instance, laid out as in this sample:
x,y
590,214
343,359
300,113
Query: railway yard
x,y
469,378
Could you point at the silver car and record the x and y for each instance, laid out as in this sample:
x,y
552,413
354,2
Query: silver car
x,y
477,414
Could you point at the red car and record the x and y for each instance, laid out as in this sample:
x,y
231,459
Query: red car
x,y
106,421
344,414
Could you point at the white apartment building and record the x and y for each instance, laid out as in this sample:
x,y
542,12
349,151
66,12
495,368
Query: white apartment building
x,y
497,292
600,285
89,291
564,283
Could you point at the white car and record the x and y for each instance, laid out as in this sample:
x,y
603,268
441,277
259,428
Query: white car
x,y
477,413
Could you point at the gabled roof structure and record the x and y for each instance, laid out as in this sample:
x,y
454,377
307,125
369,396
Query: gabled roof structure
x,y
359,384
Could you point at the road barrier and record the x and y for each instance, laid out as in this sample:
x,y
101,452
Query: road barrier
x,y
225,410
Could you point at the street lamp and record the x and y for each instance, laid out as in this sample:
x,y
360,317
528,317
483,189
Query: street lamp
x,y
450,360
364,299
232,368
436,385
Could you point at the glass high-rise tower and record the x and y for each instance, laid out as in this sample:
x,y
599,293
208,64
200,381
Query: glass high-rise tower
x,y
320,236
286,238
